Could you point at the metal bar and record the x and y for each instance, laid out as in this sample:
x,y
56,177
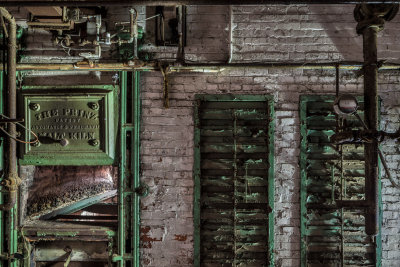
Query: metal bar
x,y
10,120
303,183
271,179
235,198
135,146
122,175
356,204
183,2
197,184
79,205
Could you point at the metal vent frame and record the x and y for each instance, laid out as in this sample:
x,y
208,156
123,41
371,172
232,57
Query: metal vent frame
x,y
324,100
197,167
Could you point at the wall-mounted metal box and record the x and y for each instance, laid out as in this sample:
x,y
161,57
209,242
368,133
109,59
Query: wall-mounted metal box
x,y
75,125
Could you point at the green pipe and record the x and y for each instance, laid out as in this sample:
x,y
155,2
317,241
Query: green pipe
x,y
136,170
122,182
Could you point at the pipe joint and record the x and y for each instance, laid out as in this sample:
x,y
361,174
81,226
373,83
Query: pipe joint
x,y
373,16
12,182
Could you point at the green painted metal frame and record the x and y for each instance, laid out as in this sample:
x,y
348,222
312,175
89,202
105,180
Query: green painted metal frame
x,y
303,187
106,157
196,169
124,173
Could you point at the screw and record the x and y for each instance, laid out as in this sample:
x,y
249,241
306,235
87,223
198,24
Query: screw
x,y
36,144
93,106
94,142
64,142
34,106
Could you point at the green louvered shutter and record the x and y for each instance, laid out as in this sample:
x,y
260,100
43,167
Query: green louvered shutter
x,y
332,236
233,189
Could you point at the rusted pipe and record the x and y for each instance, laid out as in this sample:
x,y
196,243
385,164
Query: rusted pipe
x,y
199,67
184,2
11,181
133,14
371,19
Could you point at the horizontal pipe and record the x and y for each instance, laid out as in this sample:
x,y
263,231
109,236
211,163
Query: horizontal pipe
x,y
184,2
212,67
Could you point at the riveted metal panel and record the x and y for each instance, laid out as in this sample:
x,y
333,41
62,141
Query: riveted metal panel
x,y
75,127
332,235
233,181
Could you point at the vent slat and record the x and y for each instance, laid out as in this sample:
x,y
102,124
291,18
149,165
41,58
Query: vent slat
x,y
323,183
234,183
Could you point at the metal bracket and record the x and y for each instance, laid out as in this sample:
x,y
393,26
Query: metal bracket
x,y
142,190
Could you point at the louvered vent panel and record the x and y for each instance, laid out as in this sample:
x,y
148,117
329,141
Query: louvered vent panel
x,y
331,236
234,183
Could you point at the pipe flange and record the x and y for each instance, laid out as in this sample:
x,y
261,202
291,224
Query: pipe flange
x,y
12,181
374,15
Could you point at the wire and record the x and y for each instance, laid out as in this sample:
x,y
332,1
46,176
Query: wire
x,y
382,158
16,139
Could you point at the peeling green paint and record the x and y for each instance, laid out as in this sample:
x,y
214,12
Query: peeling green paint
x,y
128,212
228,130
329,173
57,233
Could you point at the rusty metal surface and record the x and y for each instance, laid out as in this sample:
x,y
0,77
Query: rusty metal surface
x,y
333,192
54,187
371,19
234,199
51,231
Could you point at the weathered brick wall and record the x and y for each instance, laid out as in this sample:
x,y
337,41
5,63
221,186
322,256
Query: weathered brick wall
x,y
299,34
279,34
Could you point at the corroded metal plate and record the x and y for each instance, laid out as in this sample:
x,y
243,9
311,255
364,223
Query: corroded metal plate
x,y
73,129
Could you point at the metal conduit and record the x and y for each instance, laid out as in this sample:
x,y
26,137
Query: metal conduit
x,y
212,67
184,2
11,181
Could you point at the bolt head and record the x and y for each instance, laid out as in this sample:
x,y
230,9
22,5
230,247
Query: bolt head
x,y
94,106
36,144
34,106
94,142
64,142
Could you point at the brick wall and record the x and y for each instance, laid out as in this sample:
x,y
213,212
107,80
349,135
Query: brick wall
x,y
279,34
262,34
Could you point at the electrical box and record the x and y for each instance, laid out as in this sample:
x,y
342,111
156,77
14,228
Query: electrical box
x,y
75,126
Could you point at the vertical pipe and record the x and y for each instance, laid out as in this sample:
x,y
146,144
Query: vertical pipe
x,y
11,180
230,34
371,116
122,175
12,176
181,32
136,169
134,31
